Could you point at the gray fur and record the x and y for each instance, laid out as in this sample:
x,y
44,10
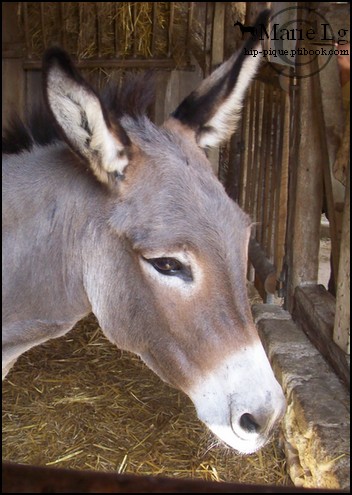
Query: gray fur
x,y
75,242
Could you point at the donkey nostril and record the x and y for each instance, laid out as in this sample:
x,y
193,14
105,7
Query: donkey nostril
x,y
248,423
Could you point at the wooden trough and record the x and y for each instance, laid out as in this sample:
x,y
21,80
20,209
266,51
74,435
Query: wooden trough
x,y
30,479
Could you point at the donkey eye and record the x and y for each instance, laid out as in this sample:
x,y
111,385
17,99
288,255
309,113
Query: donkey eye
x,y
171,267
166,266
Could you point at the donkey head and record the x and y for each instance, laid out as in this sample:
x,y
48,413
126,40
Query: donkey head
x,y
176,293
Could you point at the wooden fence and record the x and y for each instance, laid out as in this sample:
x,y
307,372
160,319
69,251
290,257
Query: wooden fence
x,y
257,176
278,168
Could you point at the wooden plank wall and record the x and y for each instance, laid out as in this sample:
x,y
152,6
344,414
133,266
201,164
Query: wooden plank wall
x,y
278,168
262,169
13,77
22,63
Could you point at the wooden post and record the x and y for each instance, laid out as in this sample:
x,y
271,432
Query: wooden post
x,y
314,311
274,173
326,169
217,57
257,148
342,324
244,151
306,188
264,241
282,184
232,40
251,130
13,47
261,163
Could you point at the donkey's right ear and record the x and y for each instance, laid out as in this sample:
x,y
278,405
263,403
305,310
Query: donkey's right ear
x,y
81,118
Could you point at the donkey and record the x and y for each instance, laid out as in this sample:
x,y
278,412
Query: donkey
x,y
116,216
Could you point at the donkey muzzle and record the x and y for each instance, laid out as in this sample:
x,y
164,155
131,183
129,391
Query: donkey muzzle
x,y
240,400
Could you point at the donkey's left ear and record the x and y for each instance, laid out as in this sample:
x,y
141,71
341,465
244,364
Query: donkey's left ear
x,y
212,110
81,118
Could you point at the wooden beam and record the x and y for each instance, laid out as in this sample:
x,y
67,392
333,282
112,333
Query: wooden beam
x,y
251,131
326,168
306,186
21,478
282,184
314,311
217,35
342,318
149,63
171,29
216,58
264,124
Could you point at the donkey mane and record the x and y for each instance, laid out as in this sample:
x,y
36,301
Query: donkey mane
x,y
133,97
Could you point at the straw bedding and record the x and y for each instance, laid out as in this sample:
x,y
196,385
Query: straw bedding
x,y
108,29
79,402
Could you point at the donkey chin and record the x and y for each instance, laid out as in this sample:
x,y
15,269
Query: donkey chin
x,y
242,408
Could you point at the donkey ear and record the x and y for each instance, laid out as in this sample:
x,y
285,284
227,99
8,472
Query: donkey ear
x,y
212,110
82,119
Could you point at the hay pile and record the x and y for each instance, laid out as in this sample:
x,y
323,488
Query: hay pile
x,y
107,29
78,402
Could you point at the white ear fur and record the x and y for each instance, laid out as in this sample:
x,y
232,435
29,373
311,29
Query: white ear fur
x,y
223,123
211,112
79,113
